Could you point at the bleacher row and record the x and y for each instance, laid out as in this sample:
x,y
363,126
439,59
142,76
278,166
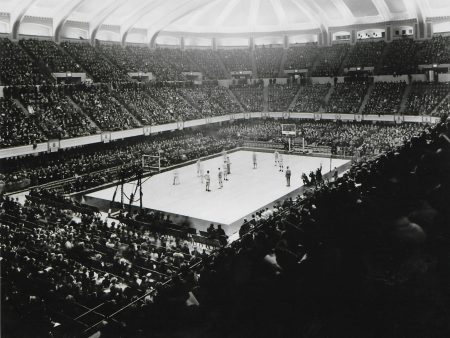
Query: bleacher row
x,y
32,61
30,115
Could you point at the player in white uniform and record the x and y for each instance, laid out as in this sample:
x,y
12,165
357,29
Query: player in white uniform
x,y
225,171
219,176
199,166
276,154
280,162
255,162
176,177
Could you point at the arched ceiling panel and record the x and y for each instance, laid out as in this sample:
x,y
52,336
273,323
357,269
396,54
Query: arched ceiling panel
x,y
265,14
396,6
361,8
293,13
222,16
238,17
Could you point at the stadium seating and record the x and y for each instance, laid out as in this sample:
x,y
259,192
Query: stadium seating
x,y
95,63
17,68
424,97
250,96
365,54
17,127
385,98
208,62
53,112
330,60
102,107
399,58
50,55
268,61
301,57
236,59
281,96
347,98
311,98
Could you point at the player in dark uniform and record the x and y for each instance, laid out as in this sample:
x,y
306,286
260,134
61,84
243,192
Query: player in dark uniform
x,y
288,176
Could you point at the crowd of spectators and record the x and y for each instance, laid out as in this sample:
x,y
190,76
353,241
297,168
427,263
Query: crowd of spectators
x,y
50,55
236,59
210,100
137,100
17,68
209,62
268,61
385,98
347,97
281,96
371,244
78,164
52,110
330,60
165,63
399,58
444,108
311,98
365,54
98,103
95,63
433,51
16,127
67,261
301,57
425,96
250,96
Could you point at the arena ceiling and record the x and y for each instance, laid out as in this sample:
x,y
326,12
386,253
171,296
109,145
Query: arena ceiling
x,y
214,16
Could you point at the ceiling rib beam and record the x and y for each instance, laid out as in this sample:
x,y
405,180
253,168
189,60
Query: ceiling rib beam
x,y
346,13
254,9
180,11
136,16
227,10
61,18
382,9
18,15
279,12
95,25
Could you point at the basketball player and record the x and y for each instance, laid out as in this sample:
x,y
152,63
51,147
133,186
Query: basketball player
x,y
225,171
280,163
176,177
207,180
228,165
199,165
255,163
220,174
201,174
276,154
288,176
224,155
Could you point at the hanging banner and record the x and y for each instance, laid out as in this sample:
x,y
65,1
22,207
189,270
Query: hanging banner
x,y
147,130
53,145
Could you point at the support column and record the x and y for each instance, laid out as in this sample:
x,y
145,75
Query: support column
x,y
182,43
251,43
353,37
388,33
286,42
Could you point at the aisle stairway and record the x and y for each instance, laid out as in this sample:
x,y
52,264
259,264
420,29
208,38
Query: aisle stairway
x,y
80,111
366,99
294,100
254,68
405,99
265,99
236,100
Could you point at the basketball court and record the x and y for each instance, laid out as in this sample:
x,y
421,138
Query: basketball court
x,y
248,190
